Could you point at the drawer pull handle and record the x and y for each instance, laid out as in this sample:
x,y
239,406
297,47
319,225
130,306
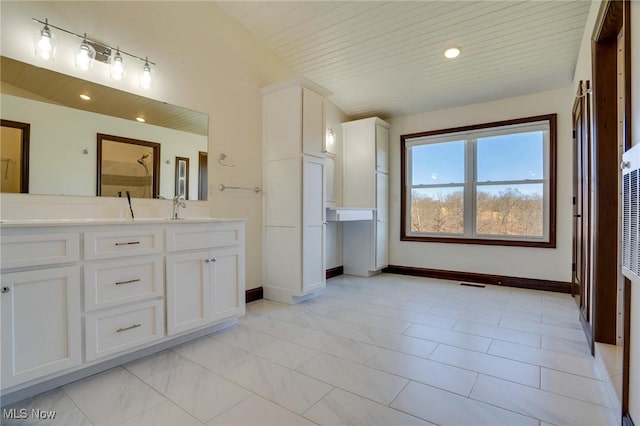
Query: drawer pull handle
x,y
128,243
128,328
213,259
128,282
6,289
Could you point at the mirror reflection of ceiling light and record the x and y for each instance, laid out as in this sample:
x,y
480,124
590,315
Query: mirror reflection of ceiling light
x,y
452,52
85,97
140,119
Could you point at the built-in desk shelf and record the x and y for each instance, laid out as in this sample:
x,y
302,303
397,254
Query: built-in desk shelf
x,y
341,214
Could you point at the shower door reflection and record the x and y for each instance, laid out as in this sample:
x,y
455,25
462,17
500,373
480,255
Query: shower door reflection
x,y
126,164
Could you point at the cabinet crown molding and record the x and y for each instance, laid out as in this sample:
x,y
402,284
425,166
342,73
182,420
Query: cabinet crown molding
x,y
293,82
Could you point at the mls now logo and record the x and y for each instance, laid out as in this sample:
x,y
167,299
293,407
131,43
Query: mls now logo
x,y
23,413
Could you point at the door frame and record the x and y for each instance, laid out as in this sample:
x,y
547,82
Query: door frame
x,y
613,20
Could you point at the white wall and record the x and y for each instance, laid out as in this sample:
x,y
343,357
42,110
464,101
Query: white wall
x,y
538,263
206,62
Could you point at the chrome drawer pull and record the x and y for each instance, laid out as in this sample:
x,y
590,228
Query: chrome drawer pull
x,y
128,282
128,243
128,328
213,259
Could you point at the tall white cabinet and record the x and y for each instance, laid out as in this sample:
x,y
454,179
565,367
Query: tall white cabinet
x,y
293,190
366,186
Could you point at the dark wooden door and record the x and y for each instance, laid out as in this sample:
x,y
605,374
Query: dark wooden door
x,y
202,176
581,226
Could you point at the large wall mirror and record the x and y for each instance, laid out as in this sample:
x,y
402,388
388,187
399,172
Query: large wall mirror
x,y
65,145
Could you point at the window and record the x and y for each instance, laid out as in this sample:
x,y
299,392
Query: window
x,y
491,183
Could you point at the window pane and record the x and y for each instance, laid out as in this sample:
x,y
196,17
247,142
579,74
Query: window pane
x,y
438,163
517,156
510,210
437,210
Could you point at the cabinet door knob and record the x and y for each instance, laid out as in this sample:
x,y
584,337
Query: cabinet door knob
x,y
213,259
6,289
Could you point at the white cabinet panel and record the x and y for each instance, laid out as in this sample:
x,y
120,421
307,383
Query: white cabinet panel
x,y
313,131
40,323
382,148
195,237
294,192
282,121
120,281
382,244
330,181
116,330
227,297
382,196
39,249
282,189
188,290
366,184
115,243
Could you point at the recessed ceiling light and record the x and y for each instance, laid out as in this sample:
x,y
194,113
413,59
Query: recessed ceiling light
x,y
452,52
85,97
140,119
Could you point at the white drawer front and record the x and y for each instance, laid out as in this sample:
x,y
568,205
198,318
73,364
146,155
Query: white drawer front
x,y
121,281
119,329
102,245
193,237
35,250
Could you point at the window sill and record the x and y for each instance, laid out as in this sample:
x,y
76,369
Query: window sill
x,y
480,241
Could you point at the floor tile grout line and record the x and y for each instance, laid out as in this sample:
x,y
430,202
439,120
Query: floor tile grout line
x,y
75,404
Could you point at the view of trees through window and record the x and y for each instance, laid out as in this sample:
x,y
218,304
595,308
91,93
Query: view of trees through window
x,y
508,212
479,183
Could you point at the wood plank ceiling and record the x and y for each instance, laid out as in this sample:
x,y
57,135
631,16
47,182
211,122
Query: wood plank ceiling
x,y
386,58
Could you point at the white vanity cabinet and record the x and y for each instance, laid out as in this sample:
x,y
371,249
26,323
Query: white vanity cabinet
x,y
41,308
77,296
366,185
123,288
293,190
205,275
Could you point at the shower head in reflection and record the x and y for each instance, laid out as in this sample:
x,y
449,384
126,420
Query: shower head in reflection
x,y
141,159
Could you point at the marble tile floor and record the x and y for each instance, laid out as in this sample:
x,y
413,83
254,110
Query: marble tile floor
x,y
386,350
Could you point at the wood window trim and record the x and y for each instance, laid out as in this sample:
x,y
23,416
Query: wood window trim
x,y
551,243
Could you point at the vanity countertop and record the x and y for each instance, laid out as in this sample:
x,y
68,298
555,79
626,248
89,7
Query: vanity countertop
x,y
113,221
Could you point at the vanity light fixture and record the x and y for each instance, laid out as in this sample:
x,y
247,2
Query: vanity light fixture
x,y
84,55
45,42
452,52
90,51
145,77
117,66
85,97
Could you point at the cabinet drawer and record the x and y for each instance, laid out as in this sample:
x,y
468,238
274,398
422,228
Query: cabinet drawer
x,y
102,245
121,281
194,237
35,250
115,330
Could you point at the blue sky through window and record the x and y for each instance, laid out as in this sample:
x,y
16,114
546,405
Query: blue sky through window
x,y
517,156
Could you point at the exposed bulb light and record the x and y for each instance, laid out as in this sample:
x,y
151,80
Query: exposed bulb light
x,y
45,43
85,97
452,52
145,77
140,119
85,55
117,66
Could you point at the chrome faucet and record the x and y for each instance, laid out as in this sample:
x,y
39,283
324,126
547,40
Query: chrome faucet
x,y
178,201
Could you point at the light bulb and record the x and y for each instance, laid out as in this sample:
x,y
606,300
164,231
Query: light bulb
x,y
331,137
117,67
145,77
84,55
44,43
452,52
